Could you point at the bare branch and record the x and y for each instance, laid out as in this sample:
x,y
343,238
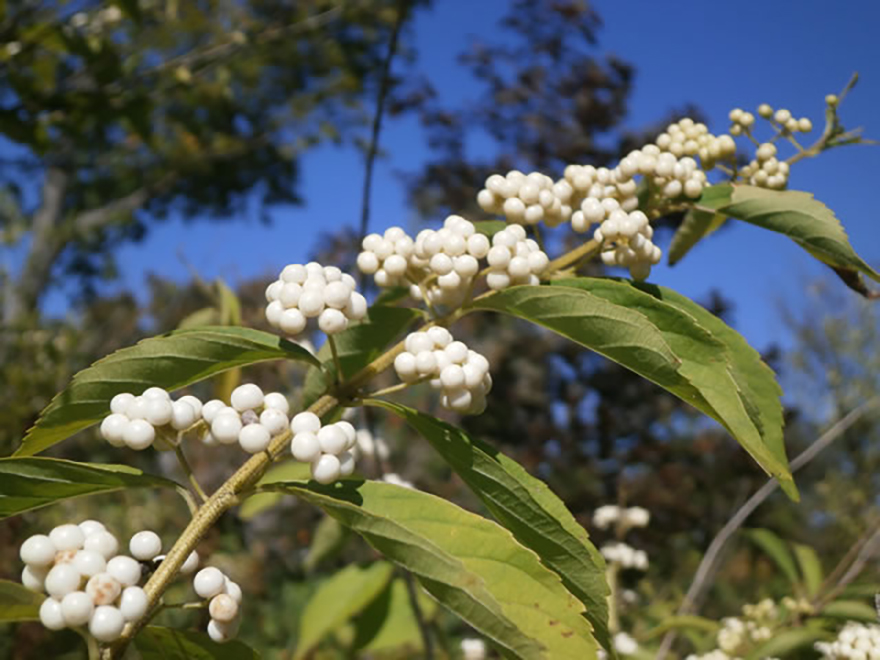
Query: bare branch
x,y
707,566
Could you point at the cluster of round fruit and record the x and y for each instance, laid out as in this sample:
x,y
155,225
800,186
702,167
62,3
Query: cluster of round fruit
x,y
855,641
224,602
313,291
766,170
626,241
134,420
612,515
252,420
439,264
689,138
514,259
527,199
625,556
86,581
326,447
461,374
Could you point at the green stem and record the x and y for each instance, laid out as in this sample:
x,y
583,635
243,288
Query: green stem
x,y
340,375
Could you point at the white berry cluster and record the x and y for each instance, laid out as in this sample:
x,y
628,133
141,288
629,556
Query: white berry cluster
x,y
317,292
527,199
461,374
473,649
766,170
741,121
626,241
625,556
784,120
445,262
856,641
625,644
613,515
514,259
448,257
328,447
387,257
370,445
738,635
135,420
224,602
689,138
87,582
252,420
716,654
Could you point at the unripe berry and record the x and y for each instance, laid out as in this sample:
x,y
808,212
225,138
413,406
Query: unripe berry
x,y
276,401
38,550
62,580
832,100
89,563
274,421
765,111
782,115
222,632
90,527
104,543
246,397
51,616
67,537
139,434
226,427
183,415
34,577
159,411
191,563
133,604
113,429
254,438
326,469
106,624
145,545
305,421
124,570
223,608
119,403
332,321
209,582
77,608
332,439
305,447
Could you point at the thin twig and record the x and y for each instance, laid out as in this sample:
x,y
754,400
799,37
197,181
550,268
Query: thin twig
x,y
340,376
701,582
868,551
373,148
185,466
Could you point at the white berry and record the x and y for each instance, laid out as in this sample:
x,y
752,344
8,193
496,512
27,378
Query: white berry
x,y
208,582
125,570
106,624
133,604
77,608
145,545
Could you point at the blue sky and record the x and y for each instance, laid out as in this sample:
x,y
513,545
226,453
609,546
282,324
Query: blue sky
x,y
716,55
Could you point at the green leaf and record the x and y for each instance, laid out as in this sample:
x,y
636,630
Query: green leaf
x,y
470,565
655,340
697,224
684,622
775,548
31,483
490,227
755,379
170,361
327,541
527,508
288,471
851,610
805,220
811,568
338,599
786,641
358,346
18,603
155,643
389,622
